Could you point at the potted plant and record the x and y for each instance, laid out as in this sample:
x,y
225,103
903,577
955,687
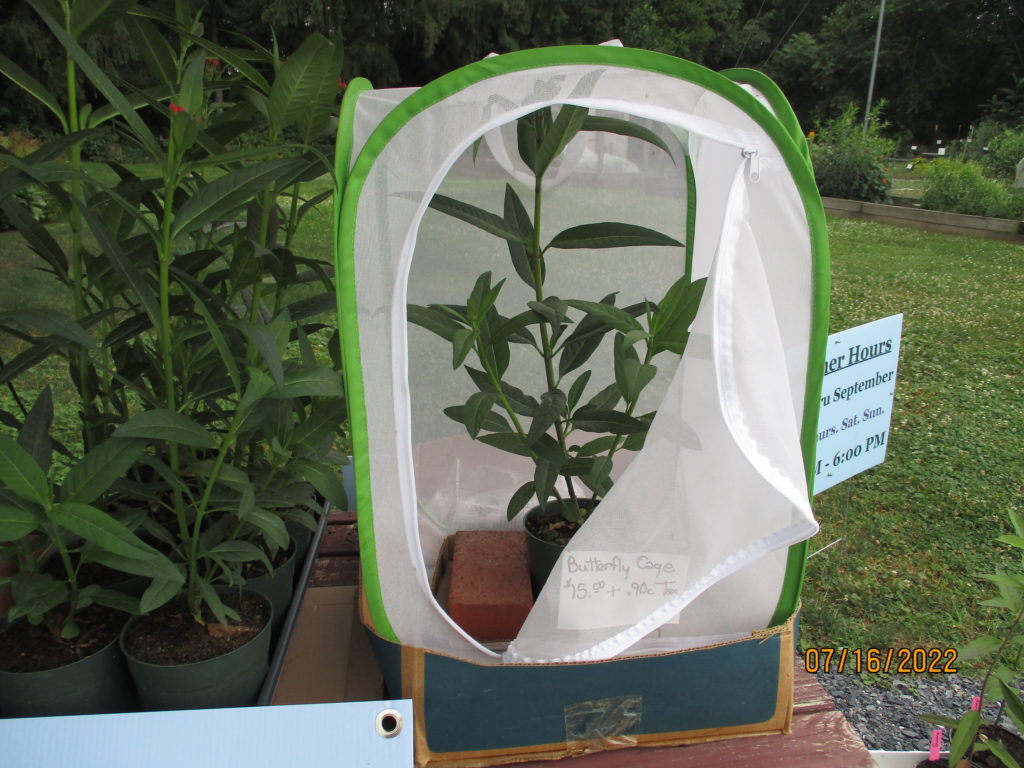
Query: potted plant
x,y
974,737
207,316
58,653
569,437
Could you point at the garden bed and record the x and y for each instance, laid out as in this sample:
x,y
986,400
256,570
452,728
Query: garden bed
x,y
931,221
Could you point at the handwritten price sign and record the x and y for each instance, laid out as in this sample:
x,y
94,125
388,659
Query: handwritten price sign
x,y
612,589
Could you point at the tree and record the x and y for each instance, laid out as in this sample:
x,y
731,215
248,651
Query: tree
x,y
703,31
936,58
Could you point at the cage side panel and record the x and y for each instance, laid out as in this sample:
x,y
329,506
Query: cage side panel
x,y
388,208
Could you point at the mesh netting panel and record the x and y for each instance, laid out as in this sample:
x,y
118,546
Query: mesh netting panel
x,y
717,493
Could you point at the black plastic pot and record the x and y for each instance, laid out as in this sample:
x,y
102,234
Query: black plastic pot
x,y
231,680
96,684
544,554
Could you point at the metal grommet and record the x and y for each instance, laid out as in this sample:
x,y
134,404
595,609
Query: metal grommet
x,y
388,723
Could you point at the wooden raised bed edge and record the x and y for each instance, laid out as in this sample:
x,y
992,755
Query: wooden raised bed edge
x,y
945,222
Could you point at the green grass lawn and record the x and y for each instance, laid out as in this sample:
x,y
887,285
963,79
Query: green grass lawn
x,y
918,530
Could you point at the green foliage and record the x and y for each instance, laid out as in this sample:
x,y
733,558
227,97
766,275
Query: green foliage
x,y
106,145
1006,106
1005,151
1004,654
34,198
849,163
962,187
544,419
938,59
953,465
39,518
684,28
188,341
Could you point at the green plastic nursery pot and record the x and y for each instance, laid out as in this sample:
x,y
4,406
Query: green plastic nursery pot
x,y
231,680
278,587
97,684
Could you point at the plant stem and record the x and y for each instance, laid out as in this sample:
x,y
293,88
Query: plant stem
x,y
537,261
293,216
164,254
14,392
201,510
630,407
53,534
264,236
81,358
1010,634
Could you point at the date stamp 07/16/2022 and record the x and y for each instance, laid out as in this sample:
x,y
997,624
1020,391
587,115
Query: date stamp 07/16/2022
x,y
881,660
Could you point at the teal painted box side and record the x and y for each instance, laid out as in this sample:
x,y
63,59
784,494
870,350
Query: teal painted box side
x,y
468,714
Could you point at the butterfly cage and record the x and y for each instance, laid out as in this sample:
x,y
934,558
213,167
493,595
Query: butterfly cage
x,y
568,276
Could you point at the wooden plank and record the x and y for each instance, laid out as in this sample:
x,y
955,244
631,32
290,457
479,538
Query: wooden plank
x,y
340,540
341,516
818,740
944,222
335,571
808,695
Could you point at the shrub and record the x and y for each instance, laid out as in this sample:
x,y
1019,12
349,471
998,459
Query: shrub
x,y
107,145
1005,150
976,145
39,203
962,187
849,163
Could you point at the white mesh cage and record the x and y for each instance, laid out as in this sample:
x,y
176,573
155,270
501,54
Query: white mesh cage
x,y
718,492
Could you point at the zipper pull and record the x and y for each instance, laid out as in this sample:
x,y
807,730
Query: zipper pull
x,y
753,163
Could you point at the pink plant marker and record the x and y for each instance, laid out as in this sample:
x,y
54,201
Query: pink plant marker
x,y
976,702
936,748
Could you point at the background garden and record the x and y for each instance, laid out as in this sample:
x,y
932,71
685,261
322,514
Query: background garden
x,y
215,96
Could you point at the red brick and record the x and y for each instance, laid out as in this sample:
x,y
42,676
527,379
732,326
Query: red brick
x,y
490,594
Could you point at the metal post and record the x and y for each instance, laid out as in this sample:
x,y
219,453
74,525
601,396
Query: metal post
x,y
874,67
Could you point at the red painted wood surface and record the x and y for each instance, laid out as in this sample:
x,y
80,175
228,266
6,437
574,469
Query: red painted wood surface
x,y
818,740
338,558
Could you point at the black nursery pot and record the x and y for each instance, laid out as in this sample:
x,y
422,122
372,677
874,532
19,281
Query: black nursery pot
x,y
233,679
97,684
543,553
278,588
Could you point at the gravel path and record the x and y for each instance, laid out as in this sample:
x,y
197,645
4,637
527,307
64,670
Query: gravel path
x,y
886,714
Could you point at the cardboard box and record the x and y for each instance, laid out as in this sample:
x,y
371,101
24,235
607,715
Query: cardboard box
x,y
329,658
477,715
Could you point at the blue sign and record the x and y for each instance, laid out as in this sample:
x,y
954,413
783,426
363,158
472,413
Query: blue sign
x,y
856,400
367,734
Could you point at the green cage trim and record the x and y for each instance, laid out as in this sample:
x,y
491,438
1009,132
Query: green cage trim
x,y
344,270
782,135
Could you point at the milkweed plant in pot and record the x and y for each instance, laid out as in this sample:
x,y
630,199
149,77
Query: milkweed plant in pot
x,y
58,652
975,738
206,314
573,442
